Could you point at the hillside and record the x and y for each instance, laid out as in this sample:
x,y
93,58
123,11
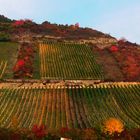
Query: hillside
x,y
124,62
62,80
4,19
47,28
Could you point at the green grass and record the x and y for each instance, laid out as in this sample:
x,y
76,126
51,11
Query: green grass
x,y
8,52
68,61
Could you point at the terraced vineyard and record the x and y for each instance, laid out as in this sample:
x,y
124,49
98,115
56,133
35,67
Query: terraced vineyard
x,y
72,106
68,61
8,56
3,65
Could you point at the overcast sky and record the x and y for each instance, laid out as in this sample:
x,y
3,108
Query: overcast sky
x,y
120,18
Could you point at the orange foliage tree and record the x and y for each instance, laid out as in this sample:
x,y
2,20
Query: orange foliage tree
x,y
113,125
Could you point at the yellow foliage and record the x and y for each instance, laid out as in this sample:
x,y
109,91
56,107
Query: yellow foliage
x,y
14,122
113,125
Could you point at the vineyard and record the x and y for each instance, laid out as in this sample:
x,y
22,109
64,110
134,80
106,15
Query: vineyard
x,y
68,61
66,81
8,56
3,65
70,106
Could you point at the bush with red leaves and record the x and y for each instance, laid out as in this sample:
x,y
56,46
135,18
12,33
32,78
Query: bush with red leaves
x,y
39,131
24,65
18,23
114,48
128,58
21,22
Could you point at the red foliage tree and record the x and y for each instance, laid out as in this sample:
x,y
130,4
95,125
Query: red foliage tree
x,y
21,22
19,65
24,65
114,48
18,23
128,59
39,131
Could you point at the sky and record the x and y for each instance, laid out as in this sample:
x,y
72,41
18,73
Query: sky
x,y
119,18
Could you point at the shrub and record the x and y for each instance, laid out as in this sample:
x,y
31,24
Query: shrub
x,y
4,37
14,122
112,126
39,131
114,48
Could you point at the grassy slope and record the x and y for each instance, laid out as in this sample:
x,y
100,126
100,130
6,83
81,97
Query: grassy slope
x,y
8,52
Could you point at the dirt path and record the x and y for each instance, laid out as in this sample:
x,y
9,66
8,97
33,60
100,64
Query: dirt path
x,y
61,84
